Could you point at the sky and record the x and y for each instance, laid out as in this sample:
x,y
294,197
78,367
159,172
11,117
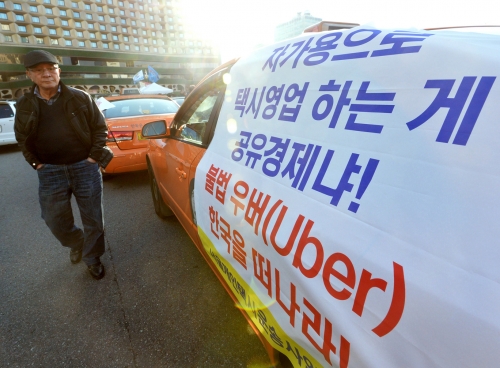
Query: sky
x,y
237,27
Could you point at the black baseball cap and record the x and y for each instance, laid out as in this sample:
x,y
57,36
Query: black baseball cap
x,y
35,57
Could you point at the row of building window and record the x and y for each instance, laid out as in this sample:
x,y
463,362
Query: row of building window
x,y
75,14
101,27
63,13
87,6
55,42
91,35
66,23
77,24
79,34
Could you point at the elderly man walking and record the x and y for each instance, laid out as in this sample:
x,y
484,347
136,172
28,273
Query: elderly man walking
x,y
62,135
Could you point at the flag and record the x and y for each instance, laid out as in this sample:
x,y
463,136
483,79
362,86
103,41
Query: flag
x,y
153,75
139,76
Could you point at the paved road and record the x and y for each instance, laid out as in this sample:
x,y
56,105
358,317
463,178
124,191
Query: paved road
x,y
159,305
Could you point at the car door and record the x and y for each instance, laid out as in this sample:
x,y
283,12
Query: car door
x,y
186,145
7,114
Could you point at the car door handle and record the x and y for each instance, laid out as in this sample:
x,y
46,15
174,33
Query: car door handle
x,y
182,174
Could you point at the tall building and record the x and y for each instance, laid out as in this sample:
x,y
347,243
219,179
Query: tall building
x,y
295,26
102,44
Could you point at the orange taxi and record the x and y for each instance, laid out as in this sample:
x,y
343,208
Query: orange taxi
x,y
313,165
125,121
172,159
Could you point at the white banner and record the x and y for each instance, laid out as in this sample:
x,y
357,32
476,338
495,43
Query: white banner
x,y
104,104
350,197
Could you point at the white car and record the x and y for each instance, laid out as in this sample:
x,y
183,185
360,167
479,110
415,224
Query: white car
x,y
7,114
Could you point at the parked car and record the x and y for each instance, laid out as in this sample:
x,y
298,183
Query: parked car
x,y
343,186
7,113
179,99
125,121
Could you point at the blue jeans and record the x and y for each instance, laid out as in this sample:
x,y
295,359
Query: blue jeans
x,y
82,179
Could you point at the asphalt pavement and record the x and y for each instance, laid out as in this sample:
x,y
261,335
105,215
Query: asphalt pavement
x,y
159,305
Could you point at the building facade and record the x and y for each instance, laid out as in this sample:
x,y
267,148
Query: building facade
x,y
102,44
295,26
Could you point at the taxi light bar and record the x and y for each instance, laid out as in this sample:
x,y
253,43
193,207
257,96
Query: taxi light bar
x,y
119,136
329,26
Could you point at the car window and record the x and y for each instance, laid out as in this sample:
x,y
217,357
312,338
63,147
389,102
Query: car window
x,y
193,124
140,106
6,111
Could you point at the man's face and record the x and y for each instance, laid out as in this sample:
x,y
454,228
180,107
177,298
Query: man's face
x,y
45,75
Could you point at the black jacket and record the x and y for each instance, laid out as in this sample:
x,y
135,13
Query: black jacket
x,y
85,117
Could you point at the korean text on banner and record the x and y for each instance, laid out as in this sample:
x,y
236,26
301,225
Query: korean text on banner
x,y
352,185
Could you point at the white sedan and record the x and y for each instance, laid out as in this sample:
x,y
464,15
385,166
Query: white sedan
x,y
7,114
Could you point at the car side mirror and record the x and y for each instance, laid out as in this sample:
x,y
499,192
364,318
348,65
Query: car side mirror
x,y
155,129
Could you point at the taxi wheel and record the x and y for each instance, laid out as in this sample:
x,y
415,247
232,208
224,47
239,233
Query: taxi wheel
x,y
161,208
107,176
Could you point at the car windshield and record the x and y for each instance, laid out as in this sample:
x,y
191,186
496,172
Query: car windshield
x,y
140,106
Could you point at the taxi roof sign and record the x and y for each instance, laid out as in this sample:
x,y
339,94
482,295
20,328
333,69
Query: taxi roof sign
x,y
329,26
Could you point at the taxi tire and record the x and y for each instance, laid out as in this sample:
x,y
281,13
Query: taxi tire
x,y
107,176
161,208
